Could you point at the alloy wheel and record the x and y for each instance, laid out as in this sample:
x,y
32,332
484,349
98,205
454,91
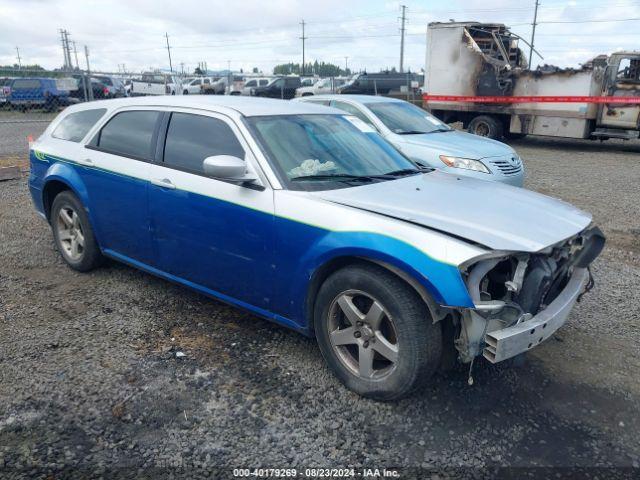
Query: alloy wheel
x,y
363,334
70,234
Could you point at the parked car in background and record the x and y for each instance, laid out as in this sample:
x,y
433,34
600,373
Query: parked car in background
x,y
308,81
115,86
377,83
99,90
38,93
279,87
300,215
221,86
5,90
195,85
156,84
252,83
428,141
323,86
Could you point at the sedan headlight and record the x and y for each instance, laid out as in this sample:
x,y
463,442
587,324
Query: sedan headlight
x,y
466,163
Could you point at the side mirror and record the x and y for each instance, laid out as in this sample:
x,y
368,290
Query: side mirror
x,y
228,167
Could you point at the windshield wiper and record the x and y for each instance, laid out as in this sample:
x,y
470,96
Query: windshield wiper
x,y
400,173
439,130
341,177
411,132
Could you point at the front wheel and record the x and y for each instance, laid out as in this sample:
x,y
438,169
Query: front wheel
x,y
185,92
376,333
73,234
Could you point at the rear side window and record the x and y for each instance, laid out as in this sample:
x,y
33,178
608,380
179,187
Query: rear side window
x,y
192,138
263,82
25,84
129,134
75,126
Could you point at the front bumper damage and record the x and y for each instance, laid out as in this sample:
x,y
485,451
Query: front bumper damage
x,y
509,342
520,299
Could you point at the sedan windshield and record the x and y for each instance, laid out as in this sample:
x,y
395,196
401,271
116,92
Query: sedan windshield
x,y
314,152
404,118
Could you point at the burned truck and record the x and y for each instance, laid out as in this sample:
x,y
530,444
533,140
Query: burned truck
x,y
477,74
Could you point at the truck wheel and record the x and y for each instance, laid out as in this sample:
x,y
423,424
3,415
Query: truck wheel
x,y
186,92
486,126
375,332
73,234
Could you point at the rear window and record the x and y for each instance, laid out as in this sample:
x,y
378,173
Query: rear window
x,y
105,80
27,84
75,126
129,134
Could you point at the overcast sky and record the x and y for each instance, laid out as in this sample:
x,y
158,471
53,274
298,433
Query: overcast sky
x,y
248,33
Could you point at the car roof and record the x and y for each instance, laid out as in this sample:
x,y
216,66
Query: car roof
x,y
246,106
364,99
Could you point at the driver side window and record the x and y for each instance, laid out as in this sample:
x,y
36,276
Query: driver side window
x,y
628,71
192,138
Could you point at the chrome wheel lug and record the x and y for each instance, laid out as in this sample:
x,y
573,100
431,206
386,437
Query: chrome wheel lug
x,y
357,334
366,344
359,324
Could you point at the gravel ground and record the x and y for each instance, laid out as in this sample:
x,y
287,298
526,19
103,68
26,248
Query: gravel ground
x,y
90,382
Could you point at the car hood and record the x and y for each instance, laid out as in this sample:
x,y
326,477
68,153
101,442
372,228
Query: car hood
x,y
497,216
457,143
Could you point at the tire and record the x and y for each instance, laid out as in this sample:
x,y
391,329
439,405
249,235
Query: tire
x,y
186,92
486,126
411,343
73,228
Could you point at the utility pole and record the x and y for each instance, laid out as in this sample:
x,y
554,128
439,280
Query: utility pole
x,y
182,67
303,38
89,88
169,51
402,29
64,48
346,67
75,53
19,58
533,32
67,50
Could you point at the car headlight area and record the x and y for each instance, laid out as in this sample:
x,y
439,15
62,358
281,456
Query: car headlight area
x,y
464,163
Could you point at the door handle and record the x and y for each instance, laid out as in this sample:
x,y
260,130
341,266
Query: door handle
x,y
164,183
86,161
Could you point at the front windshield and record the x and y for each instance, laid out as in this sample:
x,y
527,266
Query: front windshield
x,y
405,118
313,152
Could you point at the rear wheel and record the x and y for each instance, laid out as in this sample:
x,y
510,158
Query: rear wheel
x,y
375,332
73,234
185,92
486,126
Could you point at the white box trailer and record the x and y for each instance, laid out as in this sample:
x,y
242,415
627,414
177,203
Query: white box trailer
x,y
477,74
